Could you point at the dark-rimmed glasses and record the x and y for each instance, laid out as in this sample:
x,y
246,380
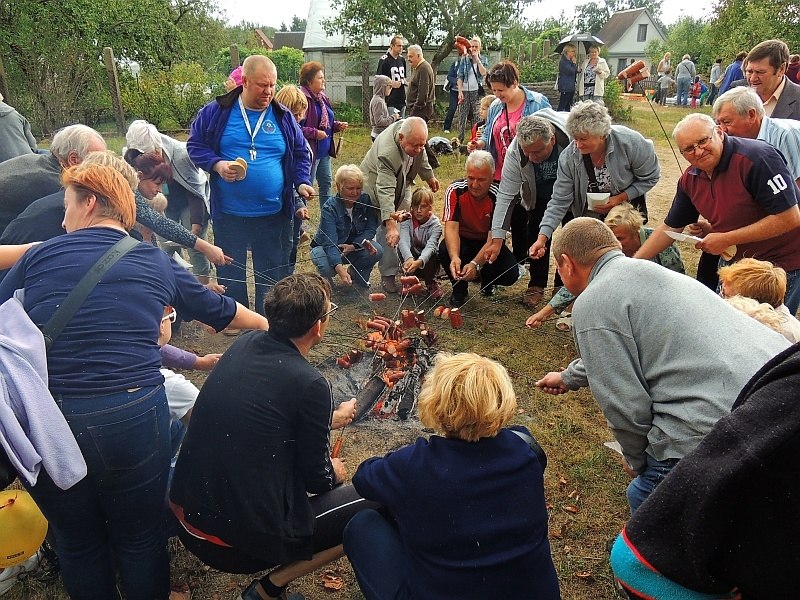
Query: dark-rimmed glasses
x,y
692,148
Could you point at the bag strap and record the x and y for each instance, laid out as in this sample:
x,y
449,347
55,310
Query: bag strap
x,y
587,164
53,328
534,445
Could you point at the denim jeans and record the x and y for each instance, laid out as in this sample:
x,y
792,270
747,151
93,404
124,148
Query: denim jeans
x,y
376,553
268,239
361,260
644,484
682,85
114,516
451,110
321,171
792,298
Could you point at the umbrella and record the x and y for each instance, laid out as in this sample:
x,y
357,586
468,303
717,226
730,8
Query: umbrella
x,y
587,39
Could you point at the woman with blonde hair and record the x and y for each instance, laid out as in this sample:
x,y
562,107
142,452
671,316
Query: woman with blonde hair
x,y
467,508
103,372
592,76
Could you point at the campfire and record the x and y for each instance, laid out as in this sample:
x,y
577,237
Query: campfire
x,y
384,373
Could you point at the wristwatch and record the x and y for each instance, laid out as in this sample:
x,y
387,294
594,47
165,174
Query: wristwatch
x,y
477,266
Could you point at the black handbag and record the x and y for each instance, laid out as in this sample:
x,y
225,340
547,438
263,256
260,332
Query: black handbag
x,y
53,328
481,88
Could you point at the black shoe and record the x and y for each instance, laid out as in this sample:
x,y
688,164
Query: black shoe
x,y
457,301
488,291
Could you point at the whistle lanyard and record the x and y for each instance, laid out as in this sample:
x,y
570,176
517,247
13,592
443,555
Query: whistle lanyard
x,y
250,130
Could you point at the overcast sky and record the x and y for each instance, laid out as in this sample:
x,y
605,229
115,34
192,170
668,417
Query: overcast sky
x,y
275,12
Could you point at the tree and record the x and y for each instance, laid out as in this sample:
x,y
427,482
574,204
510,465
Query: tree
x,y
298,24
741,24
421,21
689,36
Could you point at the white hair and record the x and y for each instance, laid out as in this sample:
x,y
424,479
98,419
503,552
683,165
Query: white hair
x,y
480,159
742,99
416,49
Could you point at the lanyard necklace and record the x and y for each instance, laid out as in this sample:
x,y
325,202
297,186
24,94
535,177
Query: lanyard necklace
x,y
249,130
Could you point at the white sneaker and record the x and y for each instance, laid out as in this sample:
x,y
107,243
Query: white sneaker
x,y
447,131
10,576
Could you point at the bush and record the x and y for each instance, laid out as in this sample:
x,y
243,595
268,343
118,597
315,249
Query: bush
x,y
348,112
617,107
168,99
540,69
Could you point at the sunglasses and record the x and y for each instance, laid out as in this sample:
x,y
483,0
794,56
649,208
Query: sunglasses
x,y
171,316
333,309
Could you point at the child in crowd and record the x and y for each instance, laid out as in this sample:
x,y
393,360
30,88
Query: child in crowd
x,y
419,241
295,101
760,311
477,128
695,91
663,87
346,231
379,116
764,282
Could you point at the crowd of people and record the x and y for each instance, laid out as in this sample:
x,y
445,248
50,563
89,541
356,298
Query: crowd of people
x,y
684,370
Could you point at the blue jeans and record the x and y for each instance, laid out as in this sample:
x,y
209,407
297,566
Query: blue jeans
x,y
361,260
451,110
682,85
321,171
644,484
114,516
792,298
269,241
376,553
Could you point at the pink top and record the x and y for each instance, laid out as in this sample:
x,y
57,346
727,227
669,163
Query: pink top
x,y
504,130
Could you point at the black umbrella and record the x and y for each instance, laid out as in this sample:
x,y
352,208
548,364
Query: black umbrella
x,y
587,39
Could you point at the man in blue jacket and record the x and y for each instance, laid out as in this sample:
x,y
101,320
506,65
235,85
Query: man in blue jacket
x,y
257,157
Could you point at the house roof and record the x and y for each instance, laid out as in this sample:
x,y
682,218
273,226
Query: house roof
x,y
288,39
619,23
262,38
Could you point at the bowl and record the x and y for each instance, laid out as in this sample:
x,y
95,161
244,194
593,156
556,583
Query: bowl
x,y
597,198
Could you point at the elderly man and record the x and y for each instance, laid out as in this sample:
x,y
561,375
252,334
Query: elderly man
x,y
255,486
645,335
740,112
765,71
392,163
744,189
254,207
31,176
393,65
529,173
468,209
422,86
16,138
472,70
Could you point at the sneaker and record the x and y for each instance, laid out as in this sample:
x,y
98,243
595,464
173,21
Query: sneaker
x,y
488,291
457,301
250,593
231,331
435,291
11,576
447,131
389,284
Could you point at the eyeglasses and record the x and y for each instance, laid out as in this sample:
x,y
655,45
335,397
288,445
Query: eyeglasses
x,y
333,309
691,149
171,316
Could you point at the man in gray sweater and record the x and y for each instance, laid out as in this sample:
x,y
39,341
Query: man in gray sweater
x,y
664,356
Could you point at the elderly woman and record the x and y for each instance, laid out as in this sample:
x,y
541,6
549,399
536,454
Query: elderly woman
x,y
513,102
474,522
592,76
345,244
612,161
627,224
319,126
188,191
104,375
567,70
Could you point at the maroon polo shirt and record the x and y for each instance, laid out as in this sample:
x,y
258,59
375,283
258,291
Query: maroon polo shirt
x,y
751,182
474,217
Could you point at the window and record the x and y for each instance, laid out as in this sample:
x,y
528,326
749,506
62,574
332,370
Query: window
x,y
641,35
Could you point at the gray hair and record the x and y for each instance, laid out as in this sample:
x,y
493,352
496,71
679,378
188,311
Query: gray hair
x,y
588,118
533,128
686,56
75,138
689,119
742,99
411,124
480,159
349,173
416,49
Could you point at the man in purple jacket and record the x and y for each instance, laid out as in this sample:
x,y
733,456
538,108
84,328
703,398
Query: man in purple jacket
x,y
257,157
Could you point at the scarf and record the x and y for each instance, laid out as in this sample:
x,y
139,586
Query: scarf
x,y
324,123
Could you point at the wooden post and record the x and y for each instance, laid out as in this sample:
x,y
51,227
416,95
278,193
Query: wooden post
x,y
366,88
113,84
234,56
546,48
533,50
